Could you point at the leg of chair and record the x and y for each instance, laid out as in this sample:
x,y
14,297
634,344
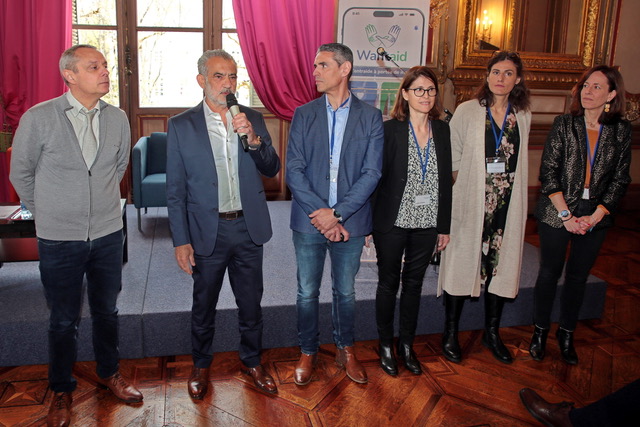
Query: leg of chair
x,y
139,221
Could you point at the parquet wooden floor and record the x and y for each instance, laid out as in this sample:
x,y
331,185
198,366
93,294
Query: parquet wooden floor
x,y
478,392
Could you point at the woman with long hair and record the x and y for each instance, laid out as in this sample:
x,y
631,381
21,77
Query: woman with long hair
x,y
489,139
412,209
584,174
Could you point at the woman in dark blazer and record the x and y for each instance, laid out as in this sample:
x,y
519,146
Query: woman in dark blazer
x,y
412,209
584,174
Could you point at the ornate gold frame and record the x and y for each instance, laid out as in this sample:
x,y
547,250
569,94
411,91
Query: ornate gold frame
x,y
545,70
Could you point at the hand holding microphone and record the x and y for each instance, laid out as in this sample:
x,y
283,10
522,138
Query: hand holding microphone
x,y
234,109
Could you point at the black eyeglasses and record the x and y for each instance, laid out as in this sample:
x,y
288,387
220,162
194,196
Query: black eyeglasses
x,y
420,91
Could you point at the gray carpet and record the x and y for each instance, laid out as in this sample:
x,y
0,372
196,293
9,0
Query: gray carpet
x,y
155,301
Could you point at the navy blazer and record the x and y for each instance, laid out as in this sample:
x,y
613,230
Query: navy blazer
x,y
358,173
388,195
192,181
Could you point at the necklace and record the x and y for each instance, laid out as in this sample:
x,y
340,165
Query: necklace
x,y
591,124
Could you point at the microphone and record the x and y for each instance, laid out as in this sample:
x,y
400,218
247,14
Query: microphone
x,y
383,53
234,109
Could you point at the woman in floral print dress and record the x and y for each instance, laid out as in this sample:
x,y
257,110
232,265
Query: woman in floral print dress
x,y
489,138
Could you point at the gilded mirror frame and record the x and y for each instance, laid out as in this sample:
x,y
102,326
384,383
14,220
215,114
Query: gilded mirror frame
x,y
545,70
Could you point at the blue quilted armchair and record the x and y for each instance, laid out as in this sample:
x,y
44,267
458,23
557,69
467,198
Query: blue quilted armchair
x,y
149,169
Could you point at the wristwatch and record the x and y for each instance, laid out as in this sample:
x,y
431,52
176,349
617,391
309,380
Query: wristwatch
x,y
337,215
564,215
255,147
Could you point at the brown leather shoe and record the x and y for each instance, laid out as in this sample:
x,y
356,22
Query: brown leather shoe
x,y
261,379
549,414
346,358
121,388
198,383
60,410
304,369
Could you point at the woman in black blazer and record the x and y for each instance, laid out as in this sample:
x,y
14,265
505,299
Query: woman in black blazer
x,y
412,209
584,173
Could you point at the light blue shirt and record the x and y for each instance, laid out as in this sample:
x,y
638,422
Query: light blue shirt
x,y
337,133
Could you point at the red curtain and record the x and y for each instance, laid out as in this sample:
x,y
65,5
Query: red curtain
x,y
33,35
279,39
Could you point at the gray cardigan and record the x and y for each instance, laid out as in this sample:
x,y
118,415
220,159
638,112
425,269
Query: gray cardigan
x,y
49,174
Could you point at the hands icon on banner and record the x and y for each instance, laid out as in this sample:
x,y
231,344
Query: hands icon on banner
x,y
377,40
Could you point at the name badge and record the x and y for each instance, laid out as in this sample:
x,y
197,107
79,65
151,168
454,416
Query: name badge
x,y
585,194
423,200
496,164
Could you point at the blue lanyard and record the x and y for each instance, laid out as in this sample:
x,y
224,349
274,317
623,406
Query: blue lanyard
x,y
592,157
493,128
423,164
333,127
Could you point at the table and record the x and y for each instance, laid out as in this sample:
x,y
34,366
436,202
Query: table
x,y
18,240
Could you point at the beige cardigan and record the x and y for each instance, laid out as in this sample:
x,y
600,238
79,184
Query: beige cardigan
x,y
460,267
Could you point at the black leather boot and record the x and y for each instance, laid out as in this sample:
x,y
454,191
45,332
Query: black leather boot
x,y
538,343
406,353
388,361
493,305
450,345
567,351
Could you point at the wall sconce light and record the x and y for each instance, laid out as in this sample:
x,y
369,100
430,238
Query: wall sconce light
x,y
483,27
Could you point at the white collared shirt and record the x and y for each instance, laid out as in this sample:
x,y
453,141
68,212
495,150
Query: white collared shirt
x,y
224,144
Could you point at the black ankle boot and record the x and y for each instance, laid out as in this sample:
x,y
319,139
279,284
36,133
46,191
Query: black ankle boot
x,y
567,351
491,338
388,361
538,343
450,345
406,353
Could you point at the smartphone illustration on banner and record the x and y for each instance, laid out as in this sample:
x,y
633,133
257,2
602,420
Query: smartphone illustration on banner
x,y
399,31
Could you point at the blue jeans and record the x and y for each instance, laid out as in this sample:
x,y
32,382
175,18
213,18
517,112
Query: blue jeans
x,y
311,251
63,265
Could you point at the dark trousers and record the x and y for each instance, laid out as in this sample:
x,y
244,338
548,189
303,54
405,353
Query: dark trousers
x,y
582,255
618,409
236,252
417,247
63,266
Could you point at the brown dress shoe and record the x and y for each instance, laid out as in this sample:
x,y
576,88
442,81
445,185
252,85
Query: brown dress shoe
x,y
261,379
304,369
549,414
198,383
121,388
60,410
346,358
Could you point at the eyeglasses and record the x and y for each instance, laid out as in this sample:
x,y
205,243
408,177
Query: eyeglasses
x,y
420,91
506,53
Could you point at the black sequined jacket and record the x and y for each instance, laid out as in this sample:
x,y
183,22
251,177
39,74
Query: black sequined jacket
x,y
563,167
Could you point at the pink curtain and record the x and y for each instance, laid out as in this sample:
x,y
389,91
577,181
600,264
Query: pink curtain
x,y
279,39
33,34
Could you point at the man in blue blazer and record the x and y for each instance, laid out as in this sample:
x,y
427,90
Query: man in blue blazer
x,y
218,213
334,162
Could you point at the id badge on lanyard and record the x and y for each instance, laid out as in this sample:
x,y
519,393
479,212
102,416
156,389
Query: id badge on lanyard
x,y
496,164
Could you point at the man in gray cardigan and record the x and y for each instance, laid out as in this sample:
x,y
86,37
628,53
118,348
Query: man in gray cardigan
x,y
69,155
